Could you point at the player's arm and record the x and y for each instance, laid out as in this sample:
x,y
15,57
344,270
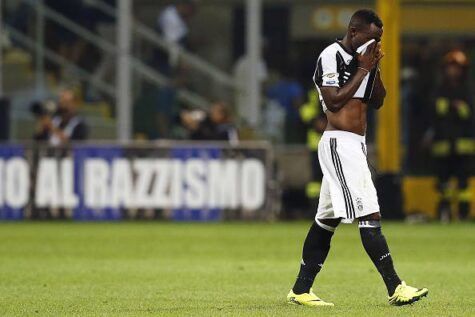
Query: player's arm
x,y
337,97
379,92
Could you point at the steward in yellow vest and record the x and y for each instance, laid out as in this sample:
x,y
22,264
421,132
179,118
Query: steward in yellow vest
x,y
315,121
453,132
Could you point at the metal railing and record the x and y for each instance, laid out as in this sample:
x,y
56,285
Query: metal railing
x,y
154,38
141,68
59,60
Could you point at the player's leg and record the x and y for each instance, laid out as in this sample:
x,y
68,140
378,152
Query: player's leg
x,y
314,253
362,203
377,248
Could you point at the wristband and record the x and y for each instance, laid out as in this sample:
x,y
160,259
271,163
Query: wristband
x,y
367,71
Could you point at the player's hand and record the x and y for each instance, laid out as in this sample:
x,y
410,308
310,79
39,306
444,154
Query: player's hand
x,y
369,59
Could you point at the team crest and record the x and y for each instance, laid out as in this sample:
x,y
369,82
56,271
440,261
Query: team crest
x,y
359,204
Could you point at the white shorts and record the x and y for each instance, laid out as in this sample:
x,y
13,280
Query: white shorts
x,y
347,189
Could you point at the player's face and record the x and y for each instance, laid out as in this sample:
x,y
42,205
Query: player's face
x,y
365,34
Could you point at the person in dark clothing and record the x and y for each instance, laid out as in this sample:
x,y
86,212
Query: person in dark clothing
x,y
214,126
289,94
65,126
452,135
173,25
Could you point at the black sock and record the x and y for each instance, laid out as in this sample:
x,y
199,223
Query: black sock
x,y
377,249
315,251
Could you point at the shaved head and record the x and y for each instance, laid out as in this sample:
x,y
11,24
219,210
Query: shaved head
x,y
363,19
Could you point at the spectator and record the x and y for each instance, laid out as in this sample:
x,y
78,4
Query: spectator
x,y
173,26
215,125
241,73
62,127
290,95
452,134
272,121
43,112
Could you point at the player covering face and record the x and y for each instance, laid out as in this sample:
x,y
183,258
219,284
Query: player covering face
x,y
348,81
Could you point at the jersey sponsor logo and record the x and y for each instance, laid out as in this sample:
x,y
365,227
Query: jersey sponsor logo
x,y
331,75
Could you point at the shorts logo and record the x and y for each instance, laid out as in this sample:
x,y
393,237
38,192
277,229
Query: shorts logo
x,y
331,82
359,204
331,75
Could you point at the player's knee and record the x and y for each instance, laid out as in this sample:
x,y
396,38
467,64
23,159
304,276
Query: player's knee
x,y
371,217
329,224
370,224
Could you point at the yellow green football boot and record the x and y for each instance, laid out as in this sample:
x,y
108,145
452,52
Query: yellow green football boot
x,y
404,295
306,299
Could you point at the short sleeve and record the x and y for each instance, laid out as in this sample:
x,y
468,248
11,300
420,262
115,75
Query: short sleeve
x,y
326,73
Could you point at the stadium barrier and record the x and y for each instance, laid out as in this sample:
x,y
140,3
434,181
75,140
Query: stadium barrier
x,y
183,181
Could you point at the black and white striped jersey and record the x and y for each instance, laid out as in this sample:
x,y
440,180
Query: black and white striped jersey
x,y
335,66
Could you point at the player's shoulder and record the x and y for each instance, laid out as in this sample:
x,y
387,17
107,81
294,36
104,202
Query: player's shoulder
x,y
330,50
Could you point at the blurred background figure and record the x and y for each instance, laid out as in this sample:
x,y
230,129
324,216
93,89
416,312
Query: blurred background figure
x,y
289,94
59,124
43,111
241,73
160,104
215,125
172,24
272,124
315,122
452,135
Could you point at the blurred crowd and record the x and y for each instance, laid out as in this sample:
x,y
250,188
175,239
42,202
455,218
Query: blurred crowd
x,y
436,97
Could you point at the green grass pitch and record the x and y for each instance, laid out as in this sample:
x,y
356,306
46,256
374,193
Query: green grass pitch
x,y
234,269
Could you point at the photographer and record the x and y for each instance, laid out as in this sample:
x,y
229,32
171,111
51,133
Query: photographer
x,y
215,125
62,125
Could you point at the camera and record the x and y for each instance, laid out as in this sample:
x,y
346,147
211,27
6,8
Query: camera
x,y
44,108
